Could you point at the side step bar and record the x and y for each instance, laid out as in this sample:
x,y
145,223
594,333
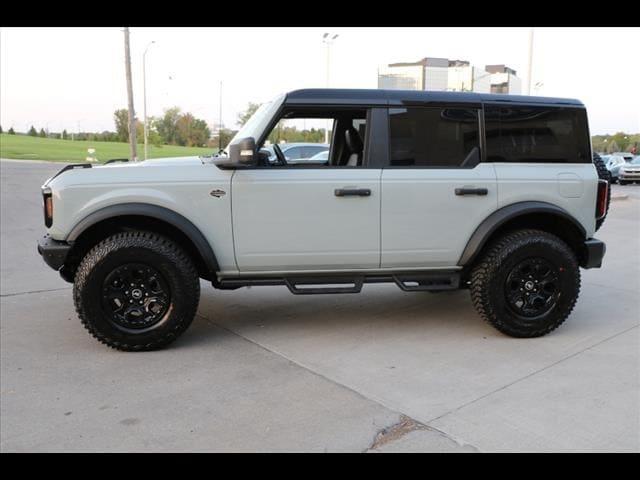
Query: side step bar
x,y
319,284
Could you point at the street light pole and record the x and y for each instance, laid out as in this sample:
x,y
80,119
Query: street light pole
x,y
132,114
530,62
220,121
328,42
144,94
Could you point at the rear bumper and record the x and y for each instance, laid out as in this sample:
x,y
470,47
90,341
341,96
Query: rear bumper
x,y
592,253
54,252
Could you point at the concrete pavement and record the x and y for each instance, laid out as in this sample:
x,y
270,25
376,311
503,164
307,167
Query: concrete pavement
x,y
263,370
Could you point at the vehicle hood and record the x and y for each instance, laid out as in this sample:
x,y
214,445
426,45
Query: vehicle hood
x,y
174,169
630,168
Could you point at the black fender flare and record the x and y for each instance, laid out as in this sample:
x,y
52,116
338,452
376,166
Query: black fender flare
x,y
153,211
501,216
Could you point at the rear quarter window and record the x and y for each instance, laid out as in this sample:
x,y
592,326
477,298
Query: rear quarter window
x,y
524,134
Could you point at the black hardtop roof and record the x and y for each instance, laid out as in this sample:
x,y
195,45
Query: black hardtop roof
x,y
398,97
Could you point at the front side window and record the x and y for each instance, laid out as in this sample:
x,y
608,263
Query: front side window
x,y
298,139
536,134
433,137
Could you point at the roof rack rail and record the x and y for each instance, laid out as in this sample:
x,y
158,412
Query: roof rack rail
x,y
71,167
113,160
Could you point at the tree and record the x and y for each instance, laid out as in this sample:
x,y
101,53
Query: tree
x,y
140,130
32,132
192,131
612,147
43,134
11,131
65,135
0,128
166,126
226,136
622,140
121,118
243,117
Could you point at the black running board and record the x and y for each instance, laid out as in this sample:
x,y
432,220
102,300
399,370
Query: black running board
x,y
348,283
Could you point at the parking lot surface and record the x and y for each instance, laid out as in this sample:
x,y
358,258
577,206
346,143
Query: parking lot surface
x,y
263,370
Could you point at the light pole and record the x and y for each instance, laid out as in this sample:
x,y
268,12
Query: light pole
x,y
328,41
144,94
530,72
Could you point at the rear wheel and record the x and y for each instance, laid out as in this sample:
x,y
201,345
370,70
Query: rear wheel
x,y
526,283
136,291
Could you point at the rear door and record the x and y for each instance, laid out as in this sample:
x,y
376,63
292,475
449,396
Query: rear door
x,y
435,189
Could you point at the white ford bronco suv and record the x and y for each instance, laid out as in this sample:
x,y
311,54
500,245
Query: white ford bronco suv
x,y
432,191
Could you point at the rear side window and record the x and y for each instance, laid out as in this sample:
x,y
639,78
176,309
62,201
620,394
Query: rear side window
x,y
433,137
536,134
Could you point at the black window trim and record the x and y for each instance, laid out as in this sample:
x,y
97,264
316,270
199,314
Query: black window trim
x,y
479,108
367,164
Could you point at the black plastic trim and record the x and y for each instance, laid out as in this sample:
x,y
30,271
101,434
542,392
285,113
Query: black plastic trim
x,y
54,252
593,253
70,167
500,217
157,212
425,280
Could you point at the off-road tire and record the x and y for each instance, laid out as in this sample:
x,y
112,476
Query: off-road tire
x,y
603,174
157,251
489,276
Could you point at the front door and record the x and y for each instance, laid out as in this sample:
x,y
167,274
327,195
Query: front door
x,y
310,217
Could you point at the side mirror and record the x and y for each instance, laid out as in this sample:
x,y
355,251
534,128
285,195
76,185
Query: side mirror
x,y
243,153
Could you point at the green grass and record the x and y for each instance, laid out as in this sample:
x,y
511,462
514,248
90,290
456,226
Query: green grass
x,y
35,148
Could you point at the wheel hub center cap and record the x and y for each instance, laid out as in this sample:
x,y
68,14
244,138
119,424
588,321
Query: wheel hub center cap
x,y
529,285
137,293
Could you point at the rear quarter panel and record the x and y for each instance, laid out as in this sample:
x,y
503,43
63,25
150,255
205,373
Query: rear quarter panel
x,y
571,186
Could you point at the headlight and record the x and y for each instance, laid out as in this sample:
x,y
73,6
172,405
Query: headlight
x,y
47,198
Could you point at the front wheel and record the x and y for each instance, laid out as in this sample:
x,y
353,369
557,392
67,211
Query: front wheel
x,y
136,291
526,283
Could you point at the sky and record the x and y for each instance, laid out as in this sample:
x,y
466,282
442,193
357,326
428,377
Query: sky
x,y
74,78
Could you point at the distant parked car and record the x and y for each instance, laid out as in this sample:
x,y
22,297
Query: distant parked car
x,y
626,155
297,152
630,172
613,164
320,157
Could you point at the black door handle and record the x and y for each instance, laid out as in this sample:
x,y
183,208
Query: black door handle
x,y
471,191
352,192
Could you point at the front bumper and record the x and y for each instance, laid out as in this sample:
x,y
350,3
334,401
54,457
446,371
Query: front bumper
x,y
629,176
592,253
54,252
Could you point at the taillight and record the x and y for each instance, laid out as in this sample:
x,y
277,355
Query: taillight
x,y
48,206
603,195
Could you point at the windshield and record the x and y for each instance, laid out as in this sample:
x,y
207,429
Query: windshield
x,y
256,125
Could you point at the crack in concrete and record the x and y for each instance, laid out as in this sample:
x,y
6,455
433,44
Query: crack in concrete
x,y
34,291
405,426
395,432
385,435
